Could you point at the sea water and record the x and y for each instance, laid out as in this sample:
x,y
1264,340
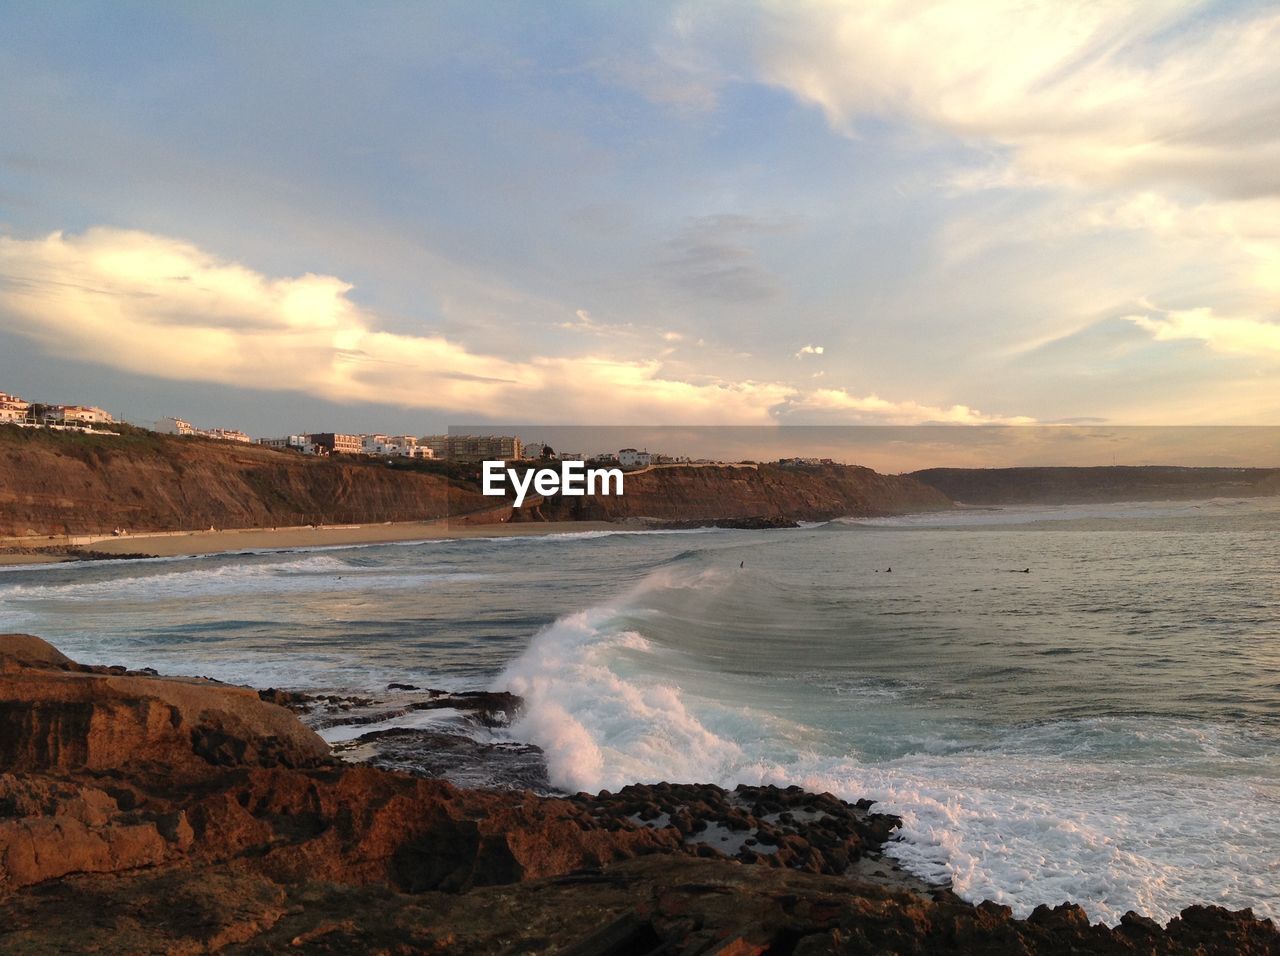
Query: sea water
x,y
1080,702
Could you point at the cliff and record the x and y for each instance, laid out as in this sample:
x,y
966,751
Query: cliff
x,y
1018,486
54,483
148,814
70,483
764,493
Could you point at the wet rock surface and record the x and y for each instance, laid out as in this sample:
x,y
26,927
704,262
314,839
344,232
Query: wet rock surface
x,y
768,826
480,707
457,758
463,742
146,814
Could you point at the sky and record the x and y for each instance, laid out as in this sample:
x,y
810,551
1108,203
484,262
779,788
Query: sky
x,y
399,216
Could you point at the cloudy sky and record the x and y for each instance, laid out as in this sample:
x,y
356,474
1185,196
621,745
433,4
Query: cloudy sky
x,y
400,216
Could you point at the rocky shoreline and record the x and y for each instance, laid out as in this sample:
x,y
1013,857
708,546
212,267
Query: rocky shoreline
x,y
176,815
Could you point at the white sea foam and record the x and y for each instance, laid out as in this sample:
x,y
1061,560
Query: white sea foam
x,y
314,573
1039,814
430,719
594,723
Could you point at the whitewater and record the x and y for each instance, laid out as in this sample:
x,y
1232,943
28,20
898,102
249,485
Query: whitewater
x,y
1080,702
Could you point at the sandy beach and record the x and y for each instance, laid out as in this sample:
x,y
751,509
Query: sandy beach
x,y
167,544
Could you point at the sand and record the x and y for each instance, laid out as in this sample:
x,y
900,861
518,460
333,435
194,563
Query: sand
x,y
179,543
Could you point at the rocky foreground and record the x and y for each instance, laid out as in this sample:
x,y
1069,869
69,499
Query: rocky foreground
x,y
141,814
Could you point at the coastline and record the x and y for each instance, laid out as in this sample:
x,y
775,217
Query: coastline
x,y
172,544
187,796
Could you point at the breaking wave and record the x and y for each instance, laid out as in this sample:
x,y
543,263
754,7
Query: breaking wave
x,y
1116,813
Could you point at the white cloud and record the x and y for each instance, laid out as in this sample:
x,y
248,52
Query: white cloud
x,y
1137,143
1079,92
810,350
840,404
583,321
1238,336
158,306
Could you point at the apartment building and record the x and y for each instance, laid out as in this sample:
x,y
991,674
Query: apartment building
x,y
473,447
331,443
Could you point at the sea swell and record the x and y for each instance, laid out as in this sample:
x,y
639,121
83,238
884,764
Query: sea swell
x,y
1137,812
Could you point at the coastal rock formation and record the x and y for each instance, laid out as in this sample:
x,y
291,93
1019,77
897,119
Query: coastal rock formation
x,y
64,483
59,715
763,496
70,484
148,814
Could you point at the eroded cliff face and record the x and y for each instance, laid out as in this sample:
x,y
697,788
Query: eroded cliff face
x,y
53,483
145,814
728,493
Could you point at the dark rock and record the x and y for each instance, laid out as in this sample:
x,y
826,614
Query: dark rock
x,y
460,759
152,815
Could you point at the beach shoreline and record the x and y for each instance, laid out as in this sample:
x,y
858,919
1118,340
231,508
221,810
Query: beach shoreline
x,y
173,544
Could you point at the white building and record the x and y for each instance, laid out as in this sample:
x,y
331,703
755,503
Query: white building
x,y
226,434
296,442
175,426
13,408
85,414
395,446
630,458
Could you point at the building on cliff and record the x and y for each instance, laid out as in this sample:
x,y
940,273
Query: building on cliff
x,y
227,434
13,408
175,426
295,442
332,443
804,462
631,458
534,450
81,414
474,447
180,426
394,446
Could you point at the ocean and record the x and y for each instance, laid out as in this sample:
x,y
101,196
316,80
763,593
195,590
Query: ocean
x,y
1076,702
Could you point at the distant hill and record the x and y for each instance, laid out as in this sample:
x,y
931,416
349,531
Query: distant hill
x,y
749,495
1015,486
